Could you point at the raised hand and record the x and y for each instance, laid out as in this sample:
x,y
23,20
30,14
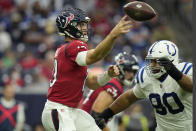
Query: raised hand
x,y
170,68
166,63
98,119
113,71
124,26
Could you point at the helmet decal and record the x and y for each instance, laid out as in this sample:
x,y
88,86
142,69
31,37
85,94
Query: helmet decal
x,y
67,23
62,22
121,61
69,18
175,50
169,50
153,47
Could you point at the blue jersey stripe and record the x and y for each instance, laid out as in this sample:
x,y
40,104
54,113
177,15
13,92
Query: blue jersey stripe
x,y
184,66
187,70
66,48
141,76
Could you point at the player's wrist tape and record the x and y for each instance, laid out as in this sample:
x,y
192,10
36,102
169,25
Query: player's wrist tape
x,y
175,73
107,114
103,79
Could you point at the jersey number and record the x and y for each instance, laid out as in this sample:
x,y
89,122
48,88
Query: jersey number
x,y
161,107
113,91
55,73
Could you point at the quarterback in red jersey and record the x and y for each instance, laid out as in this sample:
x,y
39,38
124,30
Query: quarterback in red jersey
x,y
98,100
70,72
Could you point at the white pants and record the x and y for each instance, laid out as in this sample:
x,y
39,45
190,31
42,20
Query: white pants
x,y
58,117
112,124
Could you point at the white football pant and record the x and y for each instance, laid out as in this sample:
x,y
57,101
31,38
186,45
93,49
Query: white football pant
x,y
58,117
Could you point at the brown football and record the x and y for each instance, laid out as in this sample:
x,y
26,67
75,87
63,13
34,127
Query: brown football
x,y
139,11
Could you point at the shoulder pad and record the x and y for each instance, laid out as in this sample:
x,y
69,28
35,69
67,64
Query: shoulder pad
x,y
140,75
185,67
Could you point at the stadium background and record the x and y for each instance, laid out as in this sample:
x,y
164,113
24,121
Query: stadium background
x,y
28,40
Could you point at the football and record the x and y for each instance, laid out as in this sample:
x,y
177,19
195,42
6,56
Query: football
x,y
139,11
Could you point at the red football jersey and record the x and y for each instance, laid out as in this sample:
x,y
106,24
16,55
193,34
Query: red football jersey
x,y
113,87
68,77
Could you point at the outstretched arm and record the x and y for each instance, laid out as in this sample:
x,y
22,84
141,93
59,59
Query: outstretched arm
x,y
107,44
95,81
103,100
120,104
123,101
186,83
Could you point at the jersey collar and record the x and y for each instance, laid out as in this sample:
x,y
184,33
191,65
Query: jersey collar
x,y
163,77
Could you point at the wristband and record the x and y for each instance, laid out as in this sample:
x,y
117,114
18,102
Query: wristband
x,y
107,114
175,73
103,79
170,68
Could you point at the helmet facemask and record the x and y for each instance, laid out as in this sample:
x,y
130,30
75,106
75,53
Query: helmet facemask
x,y
125,81
126,64
160,49
154,71
84,32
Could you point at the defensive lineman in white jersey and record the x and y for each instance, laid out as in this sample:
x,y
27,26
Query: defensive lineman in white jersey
x,y
166,83
172,104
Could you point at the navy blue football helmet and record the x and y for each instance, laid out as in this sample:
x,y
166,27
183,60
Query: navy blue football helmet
x,y
126,62
68,21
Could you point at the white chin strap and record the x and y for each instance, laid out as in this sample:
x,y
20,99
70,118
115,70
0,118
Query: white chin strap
x,y
127,83
84,38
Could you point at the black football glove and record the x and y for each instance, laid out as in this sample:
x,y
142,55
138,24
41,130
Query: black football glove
x,y
101,123
102,118
170,68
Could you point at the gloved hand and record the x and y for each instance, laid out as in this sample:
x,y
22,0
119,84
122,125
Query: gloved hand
x,y
102,118
101,123
170,68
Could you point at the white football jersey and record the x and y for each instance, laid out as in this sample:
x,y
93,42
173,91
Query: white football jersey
x,y
172,105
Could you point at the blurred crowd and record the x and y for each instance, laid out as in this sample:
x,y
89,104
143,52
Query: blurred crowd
x,y
28,36
179,8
